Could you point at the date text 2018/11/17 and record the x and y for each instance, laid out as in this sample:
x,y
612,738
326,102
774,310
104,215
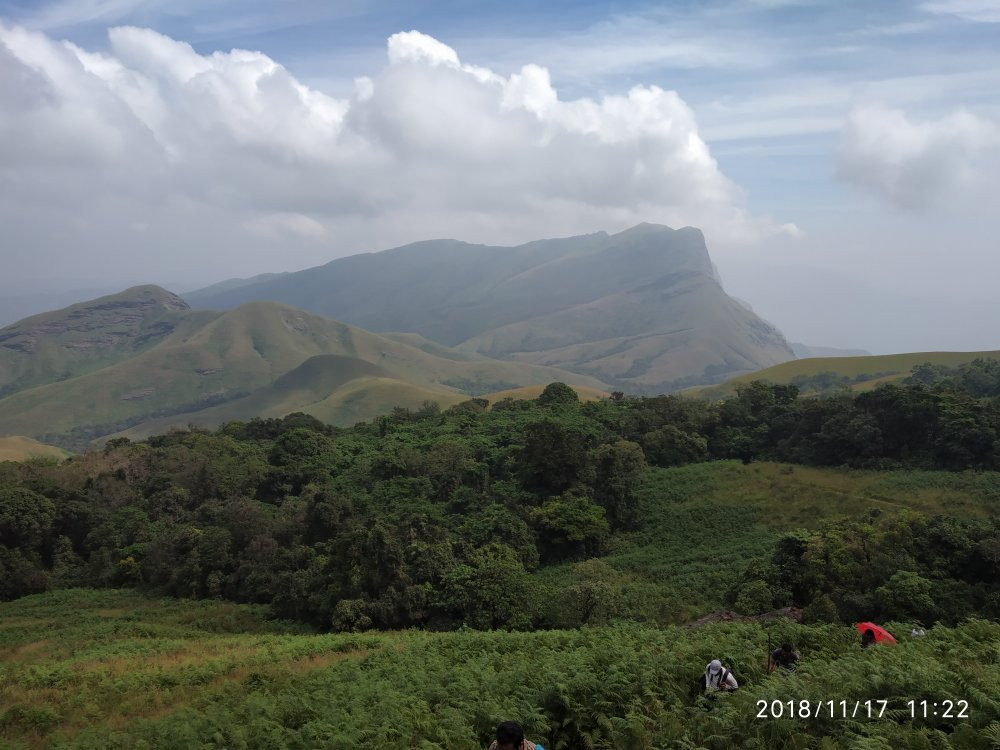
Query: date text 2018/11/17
x,y
869,709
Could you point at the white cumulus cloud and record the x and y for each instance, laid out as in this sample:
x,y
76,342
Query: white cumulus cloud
x,y
915,164
226,158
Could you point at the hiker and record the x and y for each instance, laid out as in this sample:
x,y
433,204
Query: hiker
x,y
510,736
868,638
718,677
783,657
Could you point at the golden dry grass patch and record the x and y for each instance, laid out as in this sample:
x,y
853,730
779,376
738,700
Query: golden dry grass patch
x,y
322,660
30,651
20,448
175,659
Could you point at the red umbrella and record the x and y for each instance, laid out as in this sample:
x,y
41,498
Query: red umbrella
x,y
881,634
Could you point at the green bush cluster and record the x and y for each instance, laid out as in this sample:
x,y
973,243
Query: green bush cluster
x,y
429,518
904,567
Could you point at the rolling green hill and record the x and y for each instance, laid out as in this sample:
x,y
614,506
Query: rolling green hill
x,y
17,448
333,388
868,371
803,351
210,367
641,310
87,336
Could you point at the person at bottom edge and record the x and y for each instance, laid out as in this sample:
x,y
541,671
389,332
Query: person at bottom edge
x,y
510,736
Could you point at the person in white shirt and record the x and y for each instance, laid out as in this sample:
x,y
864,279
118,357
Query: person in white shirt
x,y
718,677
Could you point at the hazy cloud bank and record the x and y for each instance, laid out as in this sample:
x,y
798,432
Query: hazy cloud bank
x,y
915,164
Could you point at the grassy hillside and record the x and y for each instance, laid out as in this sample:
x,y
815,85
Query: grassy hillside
x,y
804,351
355,398
874,369
228,358
98,669
17,448
431,347
640,310
85,337
704,521
660,336
111,669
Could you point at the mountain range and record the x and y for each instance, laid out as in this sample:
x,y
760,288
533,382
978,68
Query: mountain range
x,y
143,361
641,310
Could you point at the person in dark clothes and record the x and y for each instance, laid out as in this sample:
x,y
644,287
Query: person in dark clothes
x,y
784,657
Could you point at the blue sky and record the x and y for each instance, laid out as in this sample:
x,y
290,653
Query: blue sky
x,y
851,147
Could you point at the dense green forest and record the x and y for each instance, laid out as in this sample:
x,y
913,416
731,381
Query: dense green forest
x,y
528,514
591,532
980,378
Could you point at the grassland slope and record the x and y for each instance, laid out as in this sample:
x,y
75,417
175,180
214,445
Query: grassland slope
x,y
333,388
869,371
703,522
85,337
655,338
112,669
211,358
19,448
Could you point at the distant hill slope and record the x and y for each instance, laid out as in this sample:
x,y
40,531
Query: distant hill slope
x,y
86,336
803,351
333,388
259,359
17,448
230,284
641,310
867,372
676,331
